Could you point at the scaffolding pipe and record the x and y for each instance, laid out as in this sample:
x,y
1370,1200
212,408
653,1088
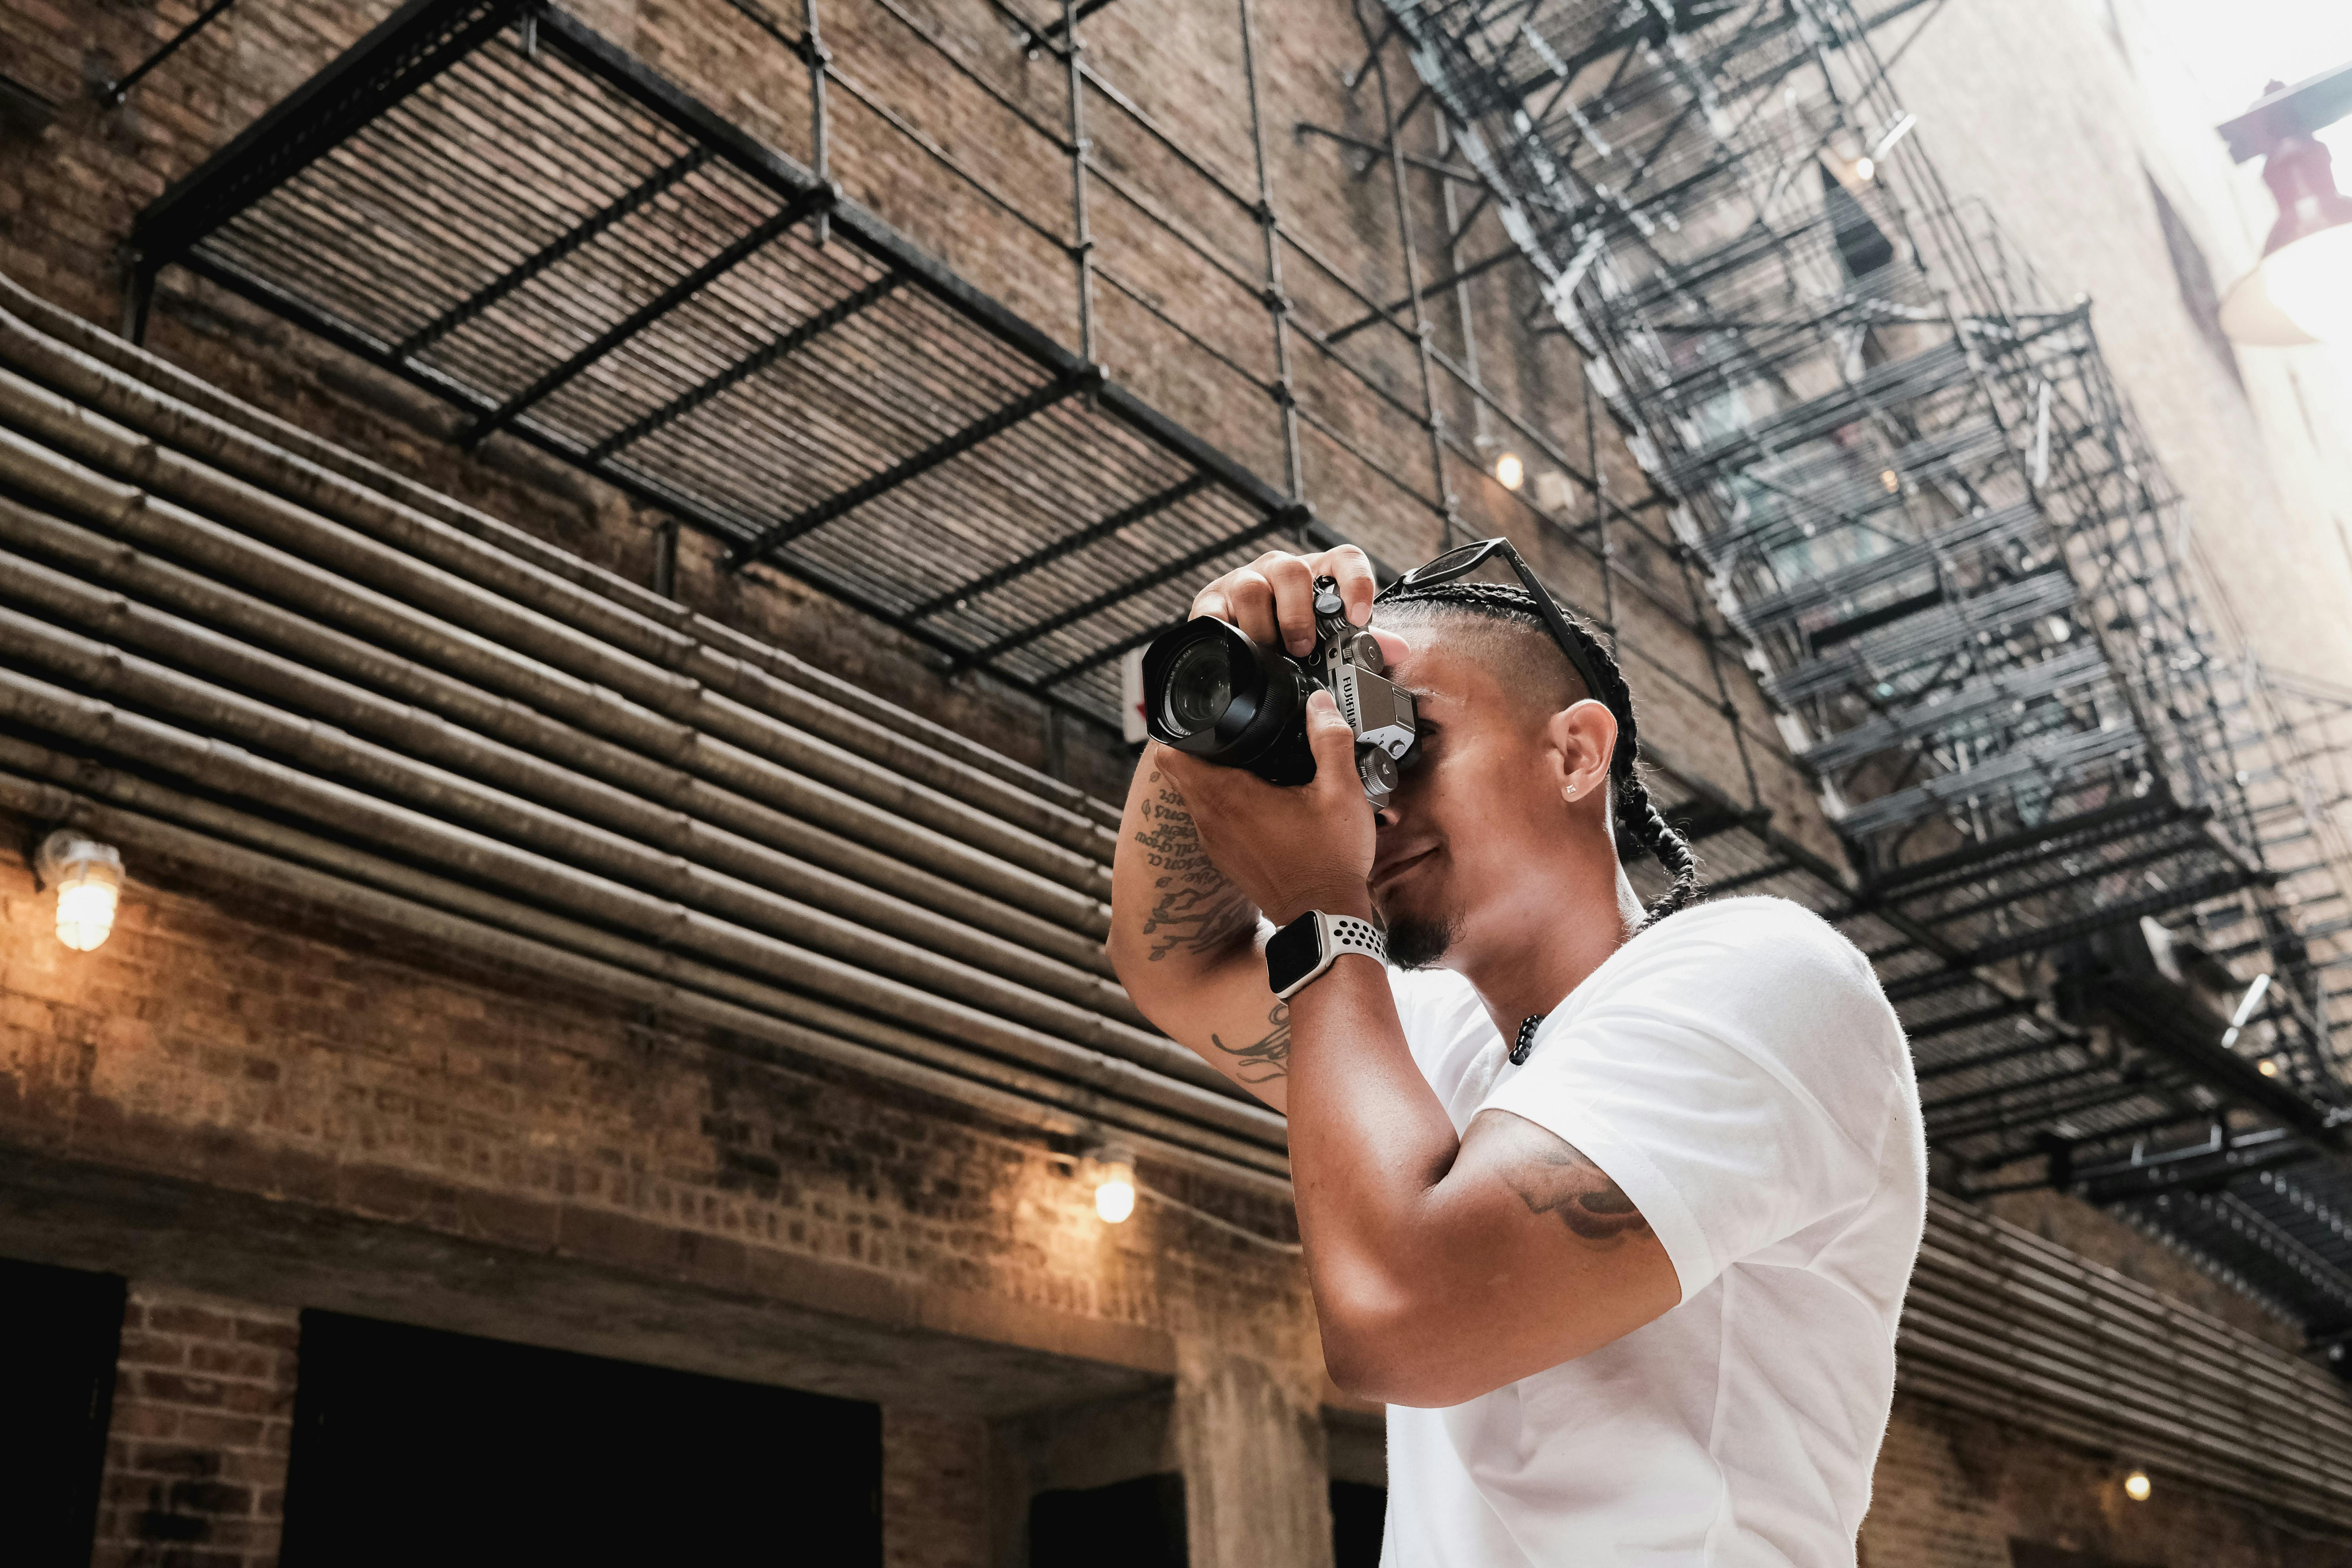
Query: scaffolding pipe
x,y
1058,1087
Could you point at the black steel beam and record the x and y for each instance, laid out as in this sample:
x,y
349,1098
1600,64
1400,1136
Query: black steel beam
x,y
555,250
987,426
887,246
751,364
1924,878
2044,1082
2148,1013
407,50
2199,1168
114,92
1103,600
2023,1048
2110,1093
2008,1008
1055,550
646,315
1718,887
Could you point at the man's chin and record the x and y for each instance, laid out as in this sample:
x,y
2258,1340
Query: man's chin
x,y
1418,939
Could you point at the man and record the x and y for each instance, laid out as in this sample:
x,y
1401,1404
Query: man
x,y
1613,1208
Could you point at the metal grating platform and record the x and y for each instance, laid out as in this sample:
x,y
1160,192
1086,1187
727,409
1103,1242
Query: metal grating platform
x,y
1921,497
489,200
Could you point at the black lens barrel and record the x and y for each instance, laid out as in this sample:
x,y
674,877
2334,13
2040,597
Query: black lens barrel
x,y
1256,723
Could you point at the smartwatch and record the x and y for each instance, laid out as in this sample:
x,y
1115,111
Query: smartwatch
x,y
1300,951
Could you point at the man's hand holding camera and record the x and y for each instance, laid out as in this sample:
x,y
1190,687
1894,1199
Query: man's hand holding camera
x,y
1288,849
1309,846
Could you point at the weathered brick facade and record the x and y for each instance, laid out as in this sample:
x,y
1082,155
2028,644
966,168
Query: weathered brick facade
x,y
251,1105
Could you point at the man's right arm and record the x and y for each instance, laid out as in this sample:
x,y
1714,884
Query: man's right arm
x,y
1184,940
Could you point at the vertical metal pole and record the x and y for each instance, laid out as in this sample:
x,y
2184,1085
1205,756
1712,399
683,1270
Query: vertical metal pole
x,y
1082,244
1601,514
666,559
138,299
1421,325
1277,304
1453,226
814,51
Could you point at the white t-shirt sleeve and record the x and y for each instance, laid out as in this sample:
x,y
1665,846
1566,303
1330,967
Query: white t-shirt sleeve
x,y
1731,1075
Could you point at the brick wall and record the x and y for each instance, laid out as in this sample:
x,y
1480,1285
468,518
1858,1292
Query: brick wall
x,y
934,1491
195,1453
1954,1490
67,203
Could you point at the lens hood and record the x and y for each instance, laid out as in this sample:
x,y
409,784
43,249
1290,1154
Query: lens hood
x,y
1254,717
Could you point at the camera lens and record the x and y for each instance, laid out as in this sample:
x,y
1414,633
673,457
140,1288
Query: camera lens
x,y
1200,688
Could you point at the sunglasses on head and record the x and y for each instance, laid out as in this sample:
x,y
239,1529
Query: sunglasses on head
x,y
1458,564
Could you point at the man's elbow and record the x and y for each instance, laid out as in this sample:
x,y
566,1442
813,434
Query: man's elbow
x,y
1395,1352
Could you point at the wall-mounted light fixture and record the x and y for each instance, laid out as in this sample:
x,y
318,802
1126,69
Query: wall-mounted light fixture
x,y
2301,291
1114,1184
2137,1486
87,877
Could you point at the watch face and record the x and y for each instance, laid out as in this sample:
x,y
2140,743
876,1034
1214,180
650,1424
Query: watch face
x,y
1292,953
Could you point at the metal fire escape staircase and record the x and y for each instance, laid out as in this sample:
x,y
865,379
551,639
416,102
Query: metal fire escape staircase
x,y
1920,495
1917,492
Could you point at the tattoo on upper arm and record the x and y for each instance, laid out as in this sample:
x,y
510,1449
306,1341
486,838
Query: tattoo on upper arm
x,y
1196,909
1267,1058
1552,1176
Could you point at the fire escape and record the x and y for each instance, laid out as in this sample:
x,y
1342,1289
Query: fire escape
x,y
1918,492
2094,852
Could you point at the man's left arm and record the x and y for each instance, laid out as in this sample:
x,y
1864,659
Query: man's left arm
x,y
1442,1268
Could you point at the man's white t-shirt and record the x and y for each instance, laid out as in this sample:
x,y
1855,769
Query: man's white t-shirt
x,y
1737,1070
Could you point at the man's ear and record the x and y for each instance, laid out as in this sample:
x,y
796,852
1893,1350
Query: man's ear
x,y
1578,741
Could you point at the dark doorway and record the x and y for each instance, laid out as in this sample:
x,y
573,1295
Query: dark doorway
x,y
413,1447
1135,1524
62,1327
1358,1514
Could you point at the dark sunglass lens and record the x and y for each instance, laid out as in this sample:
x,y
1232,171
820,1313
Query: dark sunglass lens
x,y
1453,561
1200,688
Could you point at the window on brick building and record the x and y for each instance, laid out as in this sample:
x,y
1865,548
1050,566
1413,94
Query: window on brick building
x,y
63,1329
412,1446
1135,1524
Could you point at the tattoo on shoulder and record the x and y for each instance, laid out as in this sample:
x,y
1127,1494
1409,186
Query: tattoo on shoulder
x,y
1196,909
1552,1176
1267,1058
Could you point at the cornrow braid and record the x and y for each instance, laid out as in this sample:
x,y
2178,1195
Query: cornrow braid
x,y
1644,823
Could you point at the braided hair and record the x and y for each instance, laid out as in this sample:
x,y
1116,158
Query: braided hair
x,y
1644,823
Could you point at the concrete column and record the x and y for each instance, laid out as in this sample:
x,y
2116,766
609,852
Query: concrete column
x,y
1250,1440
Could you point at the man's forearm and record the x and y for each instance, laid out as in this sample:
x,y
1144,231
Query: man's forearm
x,y
1170,907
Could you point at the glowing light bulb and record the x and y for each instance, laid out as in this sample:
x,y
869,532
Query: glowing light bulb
x,y
1865,167
2268,1065
2311,282
1889,479
1115,1194
87,877
2137,1486
1512,472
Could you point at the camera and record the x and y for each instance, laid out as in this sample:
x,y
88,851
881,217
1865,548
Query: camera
x,y
1210,691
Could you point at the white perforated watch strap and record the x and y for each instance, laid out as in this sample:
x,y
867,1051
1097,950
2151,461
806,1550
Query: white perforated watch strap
x,y
1341,933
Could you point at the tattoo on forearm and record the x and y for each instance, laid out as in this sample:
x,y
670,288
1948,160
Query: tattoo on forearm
x,y
1552,1176
1267,1058
1196,909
